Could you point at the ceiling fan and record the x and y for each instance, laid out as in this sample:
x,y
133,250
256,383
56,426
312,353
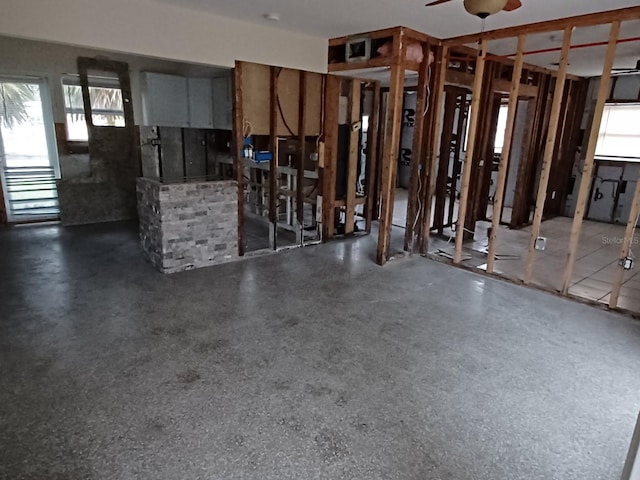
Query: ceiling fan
x,y
625,71
484,8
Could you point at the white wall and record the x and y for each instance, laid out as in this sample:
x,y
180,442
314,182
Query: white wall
x,y
19,57
153,28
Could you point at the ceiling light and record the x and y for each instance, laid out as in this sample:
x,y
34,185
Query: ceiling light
x,y
484,8
272,17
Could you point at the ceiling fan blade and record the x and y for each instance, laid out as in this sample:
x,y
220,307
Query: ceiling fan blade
x,y
512,5
437,2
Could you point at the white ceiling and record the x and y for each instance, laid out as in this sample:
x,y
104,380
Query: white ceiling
x,y
333,18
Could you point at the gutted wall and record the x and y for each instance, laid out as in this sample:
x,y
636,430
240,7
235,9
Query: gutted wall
x,y
154,28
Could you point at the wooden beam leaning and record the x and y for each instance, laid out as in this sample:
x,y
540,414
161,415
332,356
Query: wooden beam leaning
x,y
354,151
391,146
626,247
238,126
589,159
302,157
554,122
468,159
273,163
416,151
431,164
506,152
372,155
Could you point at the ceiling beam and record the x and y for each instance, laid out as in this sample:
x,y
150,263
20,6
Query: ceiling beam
x,y
631,13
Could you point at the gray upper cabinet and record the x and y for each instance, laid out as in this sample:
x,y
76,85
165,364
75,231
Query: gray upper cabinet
x,y
222,103
176,101
200,103
164,100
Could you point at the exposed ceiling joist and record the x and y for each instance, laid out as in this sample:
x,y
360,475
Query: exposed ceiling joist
x,y
631,13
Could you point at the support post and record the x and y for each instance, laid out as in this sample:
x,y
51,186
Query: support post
x,y
554,121
302,110
354,154
626,246
372,156
506,151
330,158
238,125
416,151
468,160
587,171
391,146
273,163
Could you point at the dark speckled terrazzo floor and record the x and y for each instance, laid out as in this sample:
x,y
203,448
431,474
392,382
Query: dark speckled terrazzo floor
x,y
310,364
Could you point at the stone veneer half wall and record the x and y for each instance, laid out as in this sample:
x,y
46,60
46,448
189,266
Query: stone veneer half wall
x,y
188,225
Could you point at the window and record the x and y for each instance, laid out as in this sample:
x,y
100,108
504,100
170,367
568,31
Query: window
x,y
501,129
619,133
106,105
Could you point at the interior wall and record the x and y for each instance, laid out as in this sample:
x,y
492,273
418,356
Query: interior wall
x,y
19,57
154,28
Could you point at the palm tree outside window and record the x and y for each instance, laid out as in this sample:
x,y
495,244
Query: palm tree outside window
x,y
106,105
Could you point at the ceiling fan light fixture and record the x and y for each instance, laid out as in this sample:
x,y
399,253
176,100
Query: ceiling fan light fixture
x,y
484,8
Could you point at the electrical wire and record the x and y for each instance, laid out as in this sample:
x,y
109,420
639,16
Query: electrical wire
x,y
284,120
420,204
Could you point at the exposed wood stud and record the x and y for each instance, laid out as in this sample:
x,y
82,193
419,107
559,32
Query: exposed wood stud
x,y
354,154
626,247
506,152
431,164
554,121
302,156
466,171
372,156
587,171
601,18
416,152
273,163
391,145
238,125
332,102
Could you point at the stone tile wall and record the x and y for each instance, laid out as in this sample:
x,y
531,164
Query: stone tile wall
x,y
188,225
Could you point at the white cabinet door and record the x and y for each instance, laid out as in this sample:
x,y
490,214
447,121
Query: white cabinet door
x,y
165,100
200,103
222,103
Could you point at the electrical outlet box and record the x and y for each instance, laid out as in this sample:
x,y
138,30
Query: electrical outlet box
x,y
627,263
319,209
541,243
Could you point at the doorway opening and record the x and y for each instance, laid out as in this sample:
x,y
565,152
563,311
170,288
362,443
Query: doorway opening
x,y
28,157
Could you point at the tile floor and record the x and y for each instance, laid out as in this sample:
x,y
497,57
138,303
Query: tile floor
x,y
594,270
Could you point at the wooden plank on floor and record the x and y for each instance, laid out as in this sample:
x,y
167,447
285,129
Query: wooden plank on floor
x,y
626,247
473,130
587,170
354,154
554,122
391,146
506,152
